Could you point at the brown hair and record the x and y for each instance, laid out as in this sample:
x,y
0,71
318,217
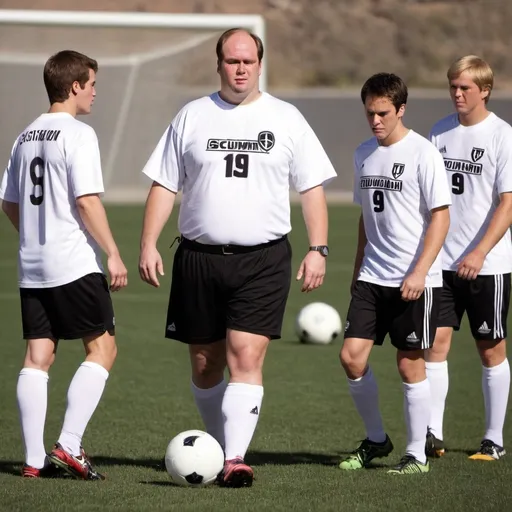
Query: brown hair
x,y
64,68
228,33
386,85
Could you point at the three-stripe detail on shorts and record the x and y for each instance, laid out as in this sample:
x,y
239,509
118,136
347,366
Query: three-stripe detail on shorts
x,y
498,307
427,313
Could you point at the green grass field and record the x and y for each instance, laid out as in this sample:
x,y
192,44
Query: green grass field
x,y
307,422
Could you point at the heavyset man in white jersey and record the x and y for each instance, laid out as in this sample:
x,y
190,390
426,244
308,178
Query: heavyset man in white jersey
x,y
477,255
232,154
401,186
50,192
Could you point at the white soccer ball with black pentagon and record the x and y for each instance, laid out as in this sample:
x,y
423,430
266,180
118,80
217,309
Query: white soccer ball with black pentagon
x,y
194,459
318,323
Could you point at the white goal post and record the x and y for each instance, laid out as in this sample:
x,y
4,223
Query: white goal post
x,y
252,22
150,64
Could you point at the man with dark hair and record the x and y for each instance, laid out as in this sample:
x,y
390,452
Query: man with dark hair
x,y
51,193
401,186
232,154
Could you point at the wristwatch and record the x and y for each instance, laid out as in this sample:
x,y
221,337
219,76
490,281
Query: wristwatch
x,y
322,249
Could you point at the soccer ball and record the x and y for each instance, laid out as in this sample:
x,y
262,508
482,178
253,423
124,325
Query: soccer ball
x,y
194,459
318,323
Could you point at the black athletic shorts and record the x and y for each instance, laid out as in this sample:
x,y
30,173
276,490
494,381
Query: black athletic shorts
x,y
485,300
241,288
376,311
71,311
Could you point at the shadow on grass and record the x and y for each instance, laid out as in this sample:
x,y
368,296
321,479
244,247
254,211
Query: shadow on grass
x,y
254,458
159,483
464,451
11,467
260,458
101,460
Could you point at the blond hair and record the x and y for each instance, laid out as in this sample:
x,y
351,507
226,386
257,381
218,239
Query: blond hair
x,y
480,72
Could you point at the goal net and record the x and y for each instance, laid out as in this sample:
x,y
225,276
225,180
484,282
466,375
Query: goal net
x,y
149,67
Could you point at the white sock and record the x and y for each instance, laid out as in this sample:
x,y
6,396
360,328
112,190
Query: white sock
x,y
209,403
437,375
241,408
84,394
417,414
495,386
365,394
32,395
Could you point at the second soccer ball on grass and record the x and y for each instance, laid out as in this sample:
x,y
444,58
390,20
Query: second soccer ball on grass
x,y
318,323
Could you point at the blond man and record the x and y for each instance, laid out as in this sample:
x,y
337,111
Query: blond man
x,y
477,255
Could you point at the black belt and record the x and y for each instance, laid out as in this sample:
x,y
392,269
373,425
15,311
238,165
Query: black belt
x,y
228,248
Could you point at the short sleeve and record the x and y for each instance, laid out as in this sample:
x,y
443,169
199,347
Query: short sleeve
x,y
357,190
433,180
84,165
10,189
504,163
165,165
311,165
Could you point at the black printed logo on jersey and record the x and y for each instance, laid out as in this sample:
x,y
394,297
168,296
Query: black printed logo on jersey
x,y
465,166
264,142
398,170
459,168
476,154
381,183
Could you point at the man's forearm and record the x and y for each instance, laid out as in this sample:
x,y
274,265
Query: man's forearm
x,y
314,211
12,210
500,223
95,220
434,239
158,209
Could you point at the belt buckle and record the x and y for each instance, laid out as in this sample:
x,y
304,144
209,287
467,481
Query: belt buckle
x,y
225,250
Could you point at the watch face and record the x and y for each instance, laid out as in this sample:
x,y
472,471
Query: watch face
x,y
322,249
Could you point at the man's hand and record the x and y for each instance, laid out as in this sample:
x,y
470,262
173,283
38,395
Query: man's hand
x,y
312,269
118,272
413,286
470,266
150,264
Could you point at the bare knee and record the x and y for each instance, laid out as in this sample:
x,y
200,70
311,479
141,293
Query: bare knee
x,y
411,366
441,347
492,353
354,356
208,364
40,354
245,356
101,350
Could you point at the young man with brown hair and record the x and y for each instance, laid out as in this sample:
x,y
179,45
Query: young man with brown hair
x,y
51,193
401,186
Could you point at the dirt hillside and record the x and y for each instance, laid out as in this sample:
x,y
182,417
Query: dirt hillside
x,y
341,42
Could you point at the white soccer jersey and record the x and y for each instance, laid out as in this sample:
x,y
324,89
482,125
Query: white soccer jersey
x,y
234,165
397,186
55,160
478,161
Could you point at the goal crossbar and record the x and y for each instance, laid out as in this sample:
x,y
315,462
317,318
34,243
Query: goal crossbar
x,y
253,22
